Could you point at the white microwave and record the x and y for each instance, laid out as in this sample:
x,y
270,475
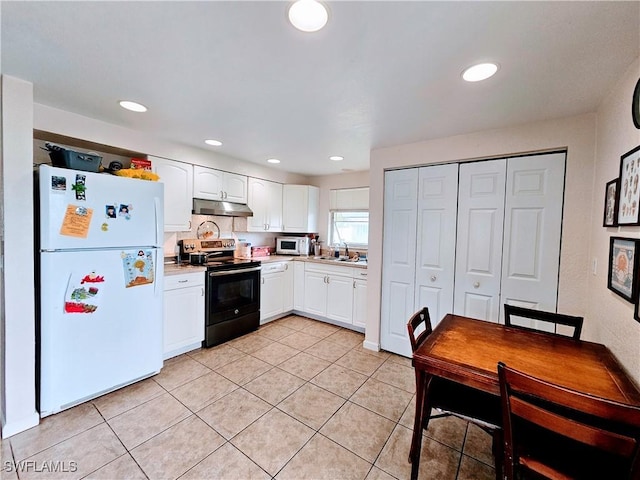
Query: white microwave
x,y
293,245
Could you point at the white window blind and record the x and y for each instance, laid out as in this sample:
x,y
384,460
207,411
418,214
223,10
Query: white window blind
x,y
349,219
349,199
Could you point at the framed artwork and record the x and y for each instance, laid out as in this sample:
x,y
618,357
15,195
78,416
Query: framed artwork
x,y
628,188
635,105
610,207
623,267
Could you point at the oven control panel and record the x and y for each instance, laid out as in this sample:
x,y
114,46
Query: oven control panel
x,y
192,245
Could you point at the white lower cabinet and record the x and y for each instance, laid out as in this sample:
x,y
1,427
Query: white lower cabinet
x,y
328,292
315,293
288,287
360,299
298,286
183,313
333,293
276,290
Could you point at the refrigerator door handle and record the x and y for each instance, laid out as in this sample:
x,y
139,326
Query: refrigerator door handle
x,y
157,210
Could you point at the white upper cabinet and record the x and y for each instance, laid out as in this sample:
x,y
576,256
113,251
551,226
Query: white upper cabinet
x,y
265,200
300,208
178,192
211,184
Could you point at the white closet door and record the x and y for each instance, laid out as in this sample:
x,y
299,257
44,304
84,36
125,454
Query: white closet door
x,y
398,258
532,228
479,242
436,245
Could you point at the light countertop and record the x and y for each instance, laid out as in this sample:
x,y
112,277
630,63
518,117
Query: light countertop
x,y
179,269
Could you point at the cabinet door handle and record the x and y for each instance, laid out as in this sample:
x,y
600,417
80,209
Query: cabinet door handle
x,y
354,284
202,295
286,266
183,281
433,278
262,280
476,284
328,278
221,195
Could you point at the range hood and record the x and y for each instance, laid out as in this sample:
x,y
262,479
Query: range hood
x,y
216,207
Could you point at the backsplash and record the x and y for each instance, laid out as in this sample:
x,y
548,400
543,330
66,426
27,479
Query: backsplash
x,y
230,227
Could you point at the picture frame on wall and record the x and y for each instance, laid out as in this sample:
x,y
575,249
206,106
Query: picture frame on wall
x,y
610,218
623,267
629,188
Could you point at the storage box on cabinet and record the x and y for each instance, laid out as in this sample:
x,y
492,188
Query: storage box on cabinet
x,y
183,324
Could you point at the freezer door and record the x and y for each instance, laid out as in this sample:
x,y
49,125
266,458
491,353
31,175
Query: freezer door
x,y
98,210
101,324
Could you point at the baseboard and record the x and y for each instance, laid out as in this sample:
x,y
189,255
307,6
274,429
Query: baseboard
x,y
371,345
11,428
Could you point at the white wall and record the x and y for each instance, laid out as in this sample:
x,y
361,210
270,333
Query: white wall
x,y
18,310
329,182
57,121
576,134
610,314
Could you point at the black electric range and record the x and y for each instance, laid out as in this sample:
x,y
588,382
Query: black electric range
x,y
232,290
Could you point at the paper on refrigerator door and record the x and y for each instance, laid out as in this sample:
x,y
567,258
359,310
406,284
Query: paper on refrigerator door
x,y
138,268
84,292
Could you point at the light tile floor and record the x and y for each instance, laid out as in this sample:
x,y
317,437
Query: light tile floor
x,y
297,399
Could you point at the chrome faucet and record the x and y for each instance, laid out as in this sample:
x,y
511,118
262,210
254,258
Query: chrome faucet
x,y
346,249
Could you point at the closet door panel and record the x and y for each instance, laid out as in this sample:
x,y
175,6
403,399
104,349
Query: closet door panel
x,y
479,242
437,210
533,225
398,259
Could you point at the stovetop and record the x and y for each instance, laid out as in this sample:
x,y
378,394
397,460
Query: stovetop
x,y
230,264
226,263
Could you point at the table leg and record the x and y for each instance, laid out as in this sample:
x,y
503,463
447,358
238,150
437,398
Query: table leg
x,y
421,420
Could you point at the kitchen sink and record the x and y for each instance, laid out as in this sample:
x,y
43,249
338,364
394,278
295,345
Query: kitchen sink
x,y
339,259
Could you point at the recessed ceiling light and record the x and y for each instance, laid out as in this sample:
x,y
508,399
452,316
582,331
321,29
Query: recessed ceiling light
x,y
213,143
482,71
133,106
273,160
336,158
308,15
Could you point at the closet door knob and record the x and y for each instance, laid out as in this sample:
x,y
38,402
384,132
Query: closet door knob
x,y
433,278
476,284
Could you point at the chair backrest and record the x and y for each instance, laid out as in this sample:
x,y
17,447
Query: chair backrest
x,y
415,325
599,425
557,318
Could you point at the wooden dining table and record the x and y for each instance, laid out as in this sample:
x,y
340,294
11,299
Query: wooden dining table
x,y
467,351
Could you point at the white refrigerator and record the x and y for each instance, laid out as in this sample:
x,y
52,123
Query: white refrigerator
x,y
100,284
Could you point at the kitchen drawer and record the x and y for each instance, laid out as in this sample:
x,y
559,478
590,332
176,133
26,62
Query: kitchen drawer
x,y
185,280
329,269
360,273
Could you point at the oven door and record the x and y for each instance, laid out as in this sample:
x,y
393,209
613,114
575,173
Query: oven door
x,y
232,294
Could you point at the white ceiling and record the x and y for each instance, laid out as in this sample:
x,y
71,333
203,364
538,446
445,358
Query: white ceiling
x,y
379,74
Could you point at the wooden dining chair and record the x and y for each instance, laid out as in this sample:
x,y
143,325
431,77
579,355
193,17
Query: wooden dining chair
x,y
555,432
451,398
539,315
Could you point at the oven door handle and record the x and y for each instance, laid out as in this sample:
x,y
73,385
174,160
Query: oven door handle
x,y
233,272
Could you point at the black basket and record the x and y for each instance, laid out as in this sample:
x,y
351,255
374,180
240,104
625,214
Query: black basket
x,y
62,157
